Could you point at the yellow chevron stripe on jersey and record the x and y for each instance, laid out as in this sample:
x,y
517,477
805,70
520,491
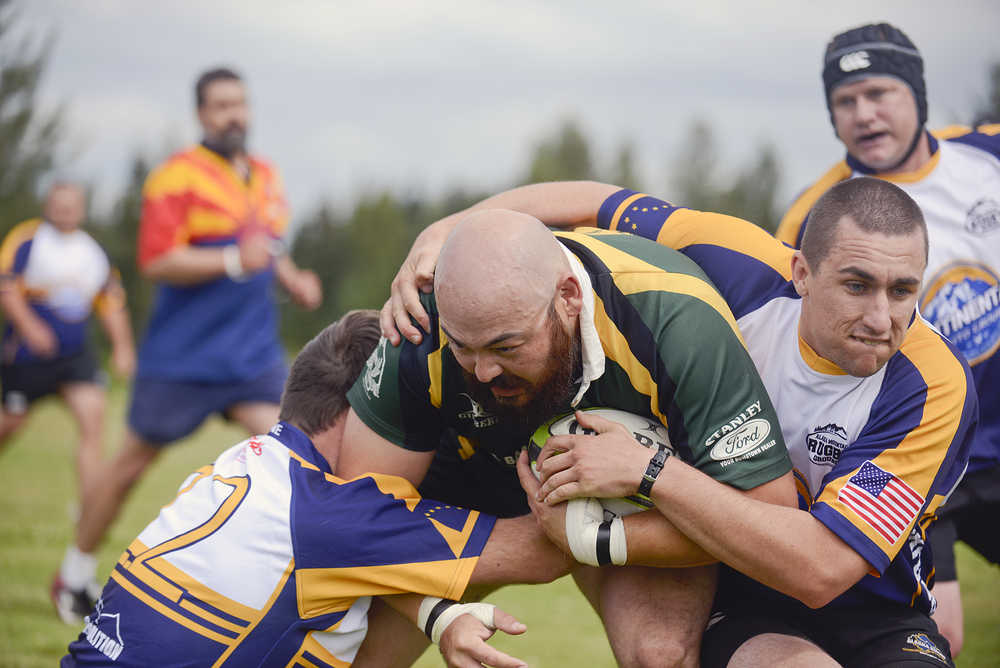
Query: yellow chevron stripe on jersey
x,y
305,464
203,472
169,612
791,222
260,615
202,593
989,129
240,485
434,370
455,538
17,236
313,646
617,348
207,222
394,486
324,590
465,447
951,131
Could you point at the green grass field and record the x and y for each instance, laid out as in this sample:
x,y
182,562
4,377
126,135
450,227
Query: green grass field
x,y
38,499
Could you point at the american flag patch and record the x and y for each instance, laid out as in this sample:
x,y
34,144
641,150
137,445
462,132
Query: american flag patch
x,y
883,501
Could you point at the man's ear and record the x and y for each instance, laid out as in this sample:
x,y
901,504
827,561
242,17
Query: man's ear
x,y
800,272
570,295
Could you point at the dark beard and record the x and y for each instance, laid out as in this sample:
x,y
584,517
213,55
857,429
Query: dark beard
x,y
549,398
230,142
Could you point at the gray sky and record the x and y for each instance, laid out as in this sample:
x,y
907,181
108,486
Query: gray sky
x,y
423,95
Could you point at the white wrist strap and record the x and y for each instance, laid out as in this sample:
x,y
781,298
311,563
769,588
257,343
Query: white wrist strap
x,y
436,614
592,539
232,263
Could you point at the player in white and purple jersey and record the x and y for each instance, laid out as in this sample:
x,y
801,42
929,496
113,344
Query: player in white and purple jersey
x,y
873,76
266,558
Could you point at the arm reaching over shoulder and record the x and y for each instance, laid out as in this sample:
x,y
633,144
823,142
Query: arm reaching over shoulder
x,y
559,204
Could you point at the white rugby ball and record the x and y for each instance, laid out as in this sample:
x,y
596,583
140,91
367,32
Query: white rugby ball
x,y
647,431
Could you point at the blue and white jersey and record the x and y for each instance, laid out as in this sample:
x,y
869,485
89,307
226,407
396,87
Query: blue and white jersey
x,y
63,276
958,191
267,559
874,457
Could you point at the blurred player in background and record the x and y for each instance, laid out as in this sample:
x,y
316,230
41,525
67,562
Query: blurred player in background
x,y
873,76
210,237
272,560
53,276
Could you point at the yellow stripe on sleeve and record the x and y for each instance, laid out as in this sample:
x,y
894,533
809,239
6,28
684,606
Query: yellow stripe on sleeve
x,y
791,222
622,208
325,590
17,236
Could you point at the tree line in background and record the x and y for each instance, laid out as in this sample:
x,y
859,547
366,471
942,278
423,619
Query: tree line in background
x,y
356,252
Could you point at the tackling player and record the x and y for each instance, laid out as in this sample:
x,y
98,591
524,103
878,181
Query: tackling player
x,y
525,325
876,407
265,558
873,77
54,275
212,218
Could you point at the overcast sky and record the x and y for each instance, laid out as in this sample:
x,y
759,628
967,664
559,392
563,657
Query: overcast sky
x,y
427,94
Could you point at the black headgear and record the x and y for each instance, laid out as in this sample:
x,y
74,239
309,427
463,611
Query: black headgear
x,y
877,48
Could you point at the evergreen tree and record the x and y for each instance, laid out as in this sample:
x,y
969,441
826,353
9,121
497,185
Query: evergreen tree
x,y
28,137
563,157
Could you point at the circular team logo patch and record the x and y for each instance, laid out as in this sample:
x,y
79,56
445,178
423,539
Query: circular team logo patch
x,y
963,302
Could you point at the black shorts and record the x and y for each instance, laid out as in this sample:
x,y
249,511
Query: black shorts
x,y
478,482
880,634
26,382
970,515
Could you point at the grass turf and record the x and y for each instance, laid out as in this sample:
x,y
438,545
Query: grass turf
x,y
38,500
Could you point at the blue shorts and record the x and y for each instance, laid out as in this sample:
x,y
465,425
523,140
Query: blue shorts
x,y
163,411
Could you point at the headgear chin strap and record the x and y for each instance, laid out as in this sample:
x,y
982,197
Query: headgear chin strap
x,y
876,49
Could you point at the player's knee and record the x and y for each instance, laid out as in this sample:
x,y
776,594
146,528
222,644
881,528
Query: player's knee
x,y
662,652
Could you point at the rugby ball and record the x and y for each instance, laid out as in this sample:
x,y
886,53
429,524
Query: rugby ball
x,y
649,432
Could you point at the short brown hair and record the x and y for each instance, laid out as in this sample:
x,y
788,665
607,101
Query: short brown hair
x,y
873,204
210,77
325,369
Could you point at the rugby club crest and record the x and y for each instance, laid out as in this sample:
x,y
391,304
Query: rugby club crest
x,y
374,367
826,443
963,303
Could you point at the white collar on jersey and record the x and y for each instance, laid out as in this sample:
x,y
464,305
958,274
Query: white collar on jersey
x,y
590,343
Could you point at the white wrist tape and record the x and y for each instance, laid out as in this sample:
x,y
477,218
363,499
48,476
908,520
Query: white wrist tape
x,y
593,539
436,614
232,263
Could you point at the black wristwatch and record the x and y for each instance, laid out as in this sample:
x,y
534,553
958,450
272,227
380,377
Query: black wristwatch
x,y
653,470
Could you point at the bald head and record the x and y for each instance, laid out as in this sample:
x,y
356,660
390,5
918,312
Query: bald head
x,y
497,263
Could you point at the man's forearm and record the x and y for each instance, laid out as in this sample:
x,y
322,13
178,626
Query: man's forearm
x,y
783,547
518,551
187,265
17,310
